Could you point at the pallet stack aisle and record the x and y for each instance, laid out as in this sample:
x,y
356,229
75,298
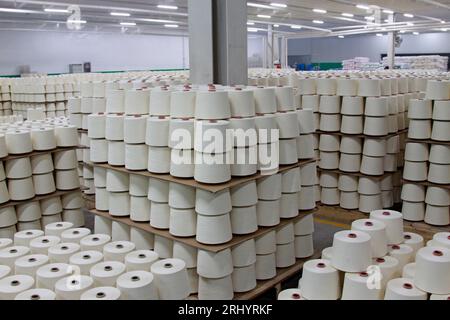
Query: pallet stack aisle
x,y
5,97
41,97
389,180
91,99
226,214
38,180
400,265
426,177
361,141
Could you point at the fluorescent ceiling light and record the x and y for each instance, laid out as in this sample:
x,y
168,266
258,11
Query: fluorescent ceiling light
x,y
15,10
442,21
379,34
130,24
252,29
320,10
171,26
415,33
120,14
383,29
276,25
264,16
402,31
348,14
386,20
56,10
296,27
409,24
318,21
363,6
388,11
163,6
278,5
408,15
77,21
250,23
444,29
158,20
257,5
370,18
341,37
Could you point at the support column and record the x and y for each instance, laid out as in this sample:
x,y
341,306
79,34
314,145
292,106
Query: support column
x,y
231,57
218,41
201,51
269,47
391,45
284,52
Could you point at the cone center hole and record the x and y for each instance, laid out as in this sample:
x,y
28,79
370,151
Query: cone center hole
x,y
296,296
100,295
108,268
76,232
395,247
368,224
363,274
168,265
142,256
352,236
32,260
407,286
386,213
74,282
95,239
119,246
15,283
54,269
59,225
35,297
64,248
380,260
13,251
45,241
86,256
135,278
407,237
438,253
29,233
321,265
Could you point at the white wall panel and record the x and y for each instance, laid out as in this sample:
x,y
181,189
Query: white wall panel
x,y
52,52
336,50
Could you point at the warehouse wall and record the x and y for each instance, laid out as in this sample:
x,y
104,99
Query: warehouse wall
x,y
256,54
52,52
336,50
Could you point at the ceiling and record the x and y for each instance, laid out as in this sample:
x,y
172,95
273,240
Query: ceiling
x,y
428,16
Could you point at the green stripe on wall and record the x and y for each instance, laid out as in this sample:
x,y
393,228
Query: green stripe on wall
x,y
112,71
327,65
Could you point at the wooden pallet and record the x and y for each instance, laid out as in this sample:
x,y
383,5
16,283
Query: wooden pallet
x,y
38,198
343,218
428,141
355,174
283,275
390,135
235,181
427,184
36,153
191,241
